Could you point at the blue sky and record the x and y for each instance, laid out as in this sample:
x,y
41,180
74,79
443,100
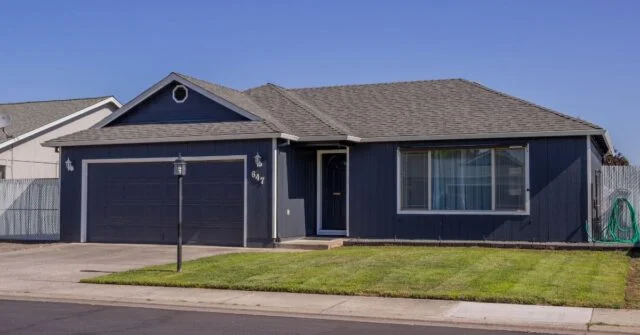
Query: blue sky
x,y
578,57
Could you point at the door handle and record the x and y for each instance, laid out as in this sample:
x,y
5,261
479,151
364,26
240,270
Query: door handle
x,y
337,193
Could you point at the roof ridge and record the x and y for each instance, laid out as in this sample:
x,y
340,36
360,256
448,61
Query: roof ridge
x,y
548,110
191,78
300,102
54,100
372,84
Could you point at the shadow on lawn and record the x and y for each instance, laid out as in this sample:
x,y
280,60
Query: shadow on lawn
x,y
150,271
632,292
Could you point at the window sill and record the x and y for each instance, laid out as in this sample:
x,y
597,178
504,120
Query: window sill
x,y
440,212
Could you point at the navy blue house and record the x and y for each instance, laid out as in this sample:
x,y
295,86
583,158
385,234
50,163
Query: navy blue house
x,y
440,159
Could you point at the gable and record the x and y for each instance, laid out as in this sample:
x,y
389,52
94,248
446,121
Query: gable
x,y
161,108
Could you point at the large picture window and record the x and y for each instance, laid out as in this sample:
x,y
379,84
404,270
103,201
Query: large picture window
x,y
467,180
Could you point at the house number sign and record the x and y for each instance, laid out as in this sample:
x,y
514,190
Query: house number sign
x,y
255,173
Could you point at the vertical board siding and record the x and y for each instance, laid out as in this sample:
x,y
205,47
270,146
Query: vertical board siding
x,y
618,182
161,108
597,157
296,192
258,196
29,209
558,198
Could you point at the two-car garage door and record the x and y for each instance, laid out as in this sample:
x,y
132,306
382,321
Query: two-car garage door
x,y
136,202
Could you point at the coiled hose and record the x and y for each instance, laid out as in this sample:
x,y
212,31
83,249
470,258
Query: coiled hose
x,y
614,229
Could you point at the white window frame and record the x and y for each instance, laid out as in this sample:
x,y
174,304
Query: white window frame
x,y
493,211
186,94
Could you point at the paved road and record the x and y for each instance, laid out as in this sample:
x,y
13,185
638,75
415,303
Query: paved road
x,y
22,317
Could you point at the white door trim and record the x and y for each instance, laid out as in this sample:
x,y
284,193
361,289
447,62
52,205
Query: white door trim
x,y
85,180
319,229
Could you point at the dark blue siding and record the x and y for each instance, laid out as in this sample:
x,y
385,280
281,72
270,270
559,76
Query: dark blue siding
x,y
160,108
558,183
296,192
597,155
258,196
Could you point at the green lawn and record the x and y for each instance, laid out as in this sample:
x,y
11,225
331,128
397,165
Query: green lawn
x,y
574,278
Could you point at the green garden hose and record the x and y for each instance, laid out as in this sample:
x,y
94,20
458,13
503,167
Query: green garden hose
x,y
613,231
615,228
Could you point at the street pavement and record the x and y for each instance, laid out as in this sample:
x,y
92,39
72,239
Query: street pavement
x,y
25,317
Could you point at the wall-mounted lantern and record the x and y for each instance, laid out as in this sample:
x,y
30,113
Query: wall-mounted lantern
x,y
69,165
258,160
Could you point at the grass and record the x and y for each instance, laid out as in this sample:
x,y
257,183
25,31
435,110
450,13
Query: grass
x,y
571,278
633,286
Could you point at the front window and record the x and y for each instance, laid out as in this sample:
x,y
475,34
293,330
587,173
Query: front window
x,y
479,179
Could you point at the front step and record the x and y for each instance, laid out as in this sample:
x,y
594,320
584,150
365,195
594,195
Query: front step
x,y
311,244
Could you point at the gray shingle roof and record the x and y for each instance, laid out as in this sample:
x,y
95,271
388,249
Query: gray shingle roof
x,y
163,132
436,107
429,109
28,116
284,106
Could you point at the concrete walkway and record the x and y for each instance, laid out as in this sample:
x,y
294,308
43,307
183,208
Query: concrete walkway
x,y
62,286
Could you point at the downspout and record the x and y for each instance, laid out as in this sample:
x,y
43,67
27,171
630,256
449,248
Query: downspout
x,y
274,189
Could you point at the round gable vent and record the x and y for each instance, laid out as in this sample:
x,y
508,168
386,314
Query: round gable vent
x,y
180,94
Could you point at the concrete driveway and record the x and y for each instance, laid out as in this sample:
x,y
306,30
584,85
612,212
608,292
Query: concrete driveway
x,y
34,268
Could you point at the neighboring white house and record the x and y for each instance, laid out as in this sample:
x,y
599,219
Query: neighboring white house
x,y
21,154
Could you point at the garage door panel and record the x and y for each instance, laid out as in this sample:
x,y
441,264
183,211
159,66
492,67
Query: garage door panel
x,y
137,203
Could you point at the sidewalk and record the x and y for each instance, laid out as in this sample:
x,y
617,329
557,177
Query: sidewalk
x,y
372,309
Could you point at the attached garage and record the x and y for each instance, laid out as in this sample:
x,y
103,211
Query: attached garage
x,y
135,201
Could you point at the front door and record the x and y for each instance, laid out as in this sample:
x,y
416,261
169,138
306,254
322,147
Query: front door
x,y
333,195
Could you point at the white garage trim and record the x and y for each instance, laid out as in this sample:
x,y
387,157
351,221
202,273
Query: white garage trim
x,y
85,181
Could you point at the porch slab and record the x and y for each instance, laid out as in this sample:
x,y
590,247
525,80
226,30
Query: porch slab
x,y
312,243
494,244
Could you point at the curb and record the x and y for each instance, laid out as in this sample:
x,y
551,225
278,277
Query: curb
x,y
279,312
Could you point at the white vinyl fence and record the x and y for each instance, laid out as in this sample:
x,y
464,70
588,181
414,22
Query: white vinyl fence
x,y
616,182
29,209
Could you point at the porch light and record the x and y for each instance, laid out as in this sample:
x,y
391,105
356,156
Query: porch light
x,y
179,170
258,159
69,165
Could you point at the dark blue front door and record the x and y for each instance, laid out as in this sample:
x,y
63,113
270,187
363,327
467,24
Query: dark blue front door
x,y
334,192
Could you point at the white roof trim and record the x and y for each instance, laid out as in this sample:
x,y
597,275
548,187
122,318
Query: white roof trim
x,y
166,81
172,139
60,121
608,142
484,136
456,136
291,137
330,138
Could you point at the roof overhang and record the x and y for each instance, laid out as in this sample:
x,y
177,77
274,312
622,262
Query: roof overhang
x,y
285,136
607,141
60,122
163,83
595,132
484,136
329,138
353,139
